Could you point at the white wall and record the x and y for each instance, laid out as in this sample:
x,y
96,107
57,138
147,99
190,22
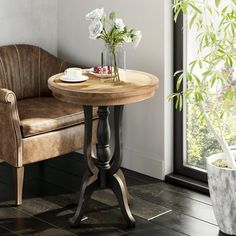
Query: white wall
x,y
168,88
147,125
29,21
60,26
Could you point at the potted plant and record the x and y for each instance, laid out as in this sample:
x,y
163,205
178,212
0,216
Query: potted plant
x,y
211,86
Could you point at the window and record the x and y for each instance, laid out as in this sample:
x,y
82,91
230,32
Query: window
x,y
193,141
189,136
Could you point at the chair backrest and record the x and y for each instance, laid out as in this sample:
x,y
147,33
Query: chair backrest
x,y
25,69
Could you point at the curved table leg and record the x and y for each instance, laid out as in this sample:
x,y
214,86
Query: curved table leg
x,y
90,179
118,152
118,187
90,183
122,177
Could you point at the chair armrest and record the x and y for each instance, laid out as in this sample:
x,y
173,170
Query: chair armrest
x,y
7,96
10,133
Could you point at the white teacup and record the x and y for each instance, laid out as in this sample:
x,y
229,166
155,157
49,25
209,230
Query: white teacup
x,y
73,73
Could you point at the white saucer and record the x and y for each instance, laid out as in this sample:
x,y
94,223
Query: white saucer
x,y
64,78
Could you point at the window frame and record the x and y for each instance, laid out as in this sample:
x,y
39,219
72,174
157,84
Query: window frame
x,y
179,167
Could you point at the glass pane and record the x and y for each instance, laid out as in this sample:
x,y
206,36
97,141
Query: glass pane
x,y
199,142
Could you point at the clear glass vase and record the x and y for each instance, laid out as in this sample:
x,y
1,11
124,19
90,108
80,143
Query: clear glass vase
x,y
113,58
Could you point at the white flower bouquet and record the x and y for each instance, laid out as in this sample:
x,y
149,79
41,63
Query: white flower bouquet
x,y
113,32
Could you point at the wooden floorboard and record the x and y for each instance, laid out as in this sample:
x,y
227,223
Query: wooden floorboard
x,y
186,224
169,187
6,232
175,202
160,209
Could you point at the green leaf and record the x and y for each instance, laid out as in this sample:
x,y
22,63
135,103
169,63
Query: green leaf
x,y
197,80
112,15
200,64
233,29
192,20
171,96
184,8
225,9
179,82
229,61
179,102
195,8
176,14
209,9
178,72
192,65
198,97
217,2
189,77
213,81
207,73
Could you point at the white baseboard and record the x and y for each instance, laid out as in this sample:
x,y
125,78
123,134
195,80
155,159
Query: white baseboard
x,y
144,164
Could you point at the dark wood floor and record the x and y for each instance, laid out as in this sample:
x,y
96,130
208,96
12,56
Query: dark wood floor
x,y
160,209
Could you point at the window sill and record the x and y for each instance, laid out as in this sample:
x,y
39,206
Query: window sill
x,y
187,182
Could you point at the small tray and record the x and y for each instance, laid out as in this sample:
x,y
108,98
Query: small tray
x,y
91,71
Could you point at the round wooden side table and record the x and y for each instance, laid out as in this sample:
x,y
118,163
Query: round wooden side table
x,y
104,170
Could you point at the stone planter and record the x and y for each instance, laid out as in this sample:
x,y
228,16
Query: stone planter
x,y
222,186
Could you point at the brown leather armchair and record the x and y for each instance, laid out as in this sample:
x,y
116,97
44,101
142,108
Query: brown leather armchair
x,y
34,126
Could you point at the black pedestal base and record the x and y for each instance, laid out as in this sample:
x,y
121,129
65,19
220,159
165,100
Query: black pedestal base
x,y
103,171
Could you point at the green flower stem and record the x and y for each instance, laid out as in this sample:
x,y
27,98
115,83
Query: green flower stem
x,y
116,72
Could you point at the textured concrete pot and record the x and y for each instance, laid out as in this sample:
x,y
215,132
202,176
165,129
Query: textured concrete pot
x,y
222,186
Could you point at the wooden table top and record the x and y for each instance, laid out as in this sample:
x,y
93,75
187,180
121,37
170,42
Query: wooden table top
x,y
134,86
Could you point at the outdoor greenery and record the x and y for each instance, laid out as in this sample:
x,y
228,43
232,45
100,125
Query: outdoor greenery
x,y
211,77
200,142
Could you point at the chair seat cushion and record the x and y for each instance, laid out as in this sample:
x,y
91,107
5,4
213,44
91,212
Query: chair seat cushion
x,y
45,114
